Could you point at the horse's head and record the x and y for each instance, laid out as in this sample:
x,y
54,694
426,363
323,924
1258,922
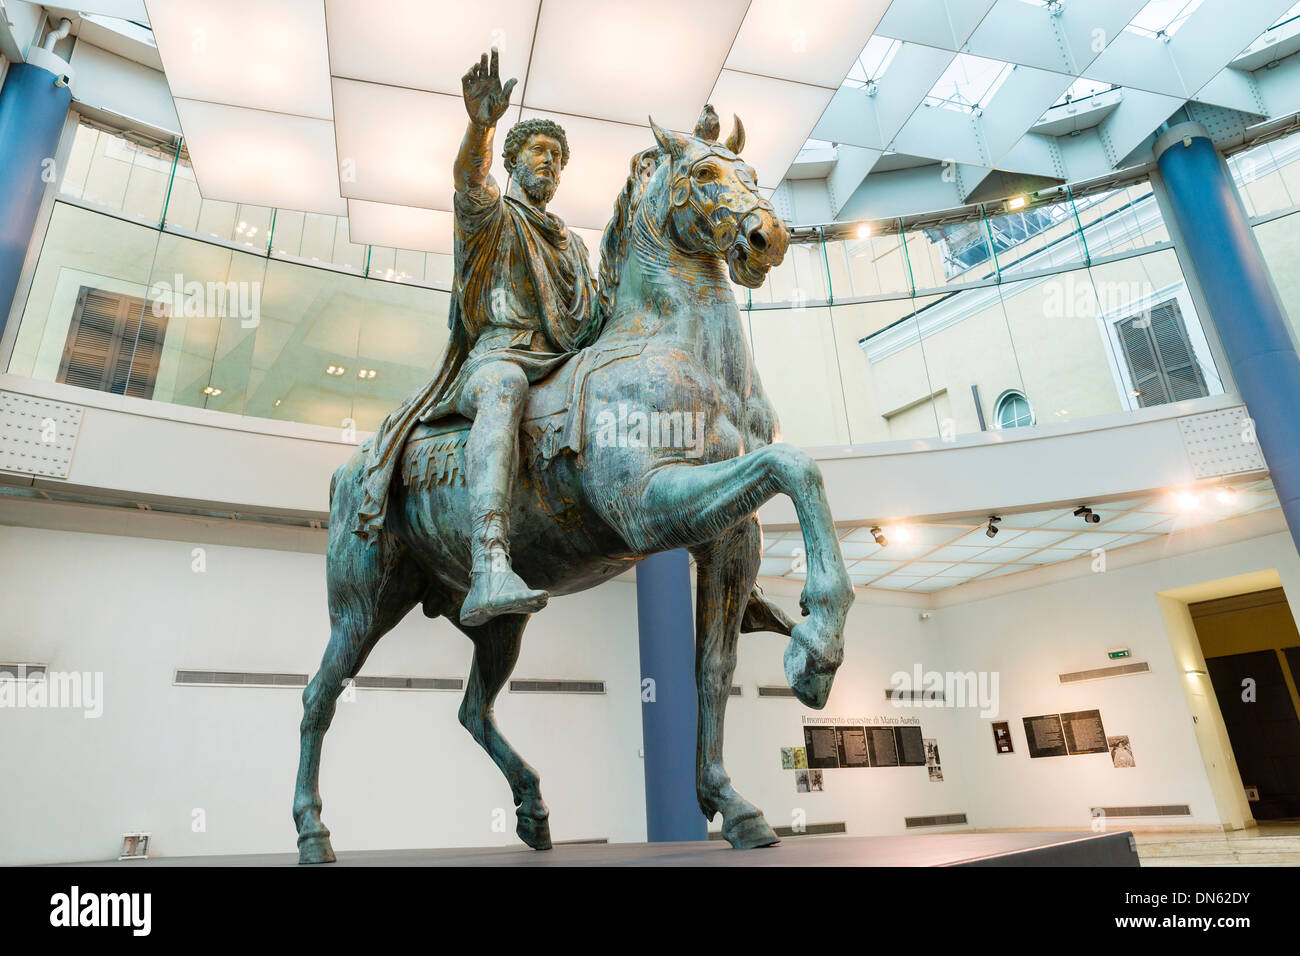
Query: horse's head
x,y
715,205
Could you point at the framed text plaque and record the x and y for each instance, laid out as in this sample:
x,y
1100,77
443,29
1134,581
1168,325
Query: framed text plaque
x,y
1045,736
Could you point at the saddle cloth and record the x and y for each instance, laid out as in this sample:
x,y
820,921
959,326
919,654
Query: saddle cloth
x,y
552,423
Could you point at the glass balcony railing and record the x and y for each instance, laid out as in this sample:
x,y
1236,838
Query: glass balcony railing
x,y
894,330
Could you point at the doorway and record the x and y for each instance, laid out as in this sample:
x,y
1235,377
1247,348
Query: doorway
x,y
1252,656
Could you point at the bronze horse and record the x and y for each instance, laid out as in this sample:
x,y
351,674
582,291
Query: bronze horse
x,y
587,508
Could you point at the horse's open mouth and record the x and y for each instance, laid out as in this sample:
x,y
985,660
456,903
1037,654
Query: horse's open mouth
x,y
744,270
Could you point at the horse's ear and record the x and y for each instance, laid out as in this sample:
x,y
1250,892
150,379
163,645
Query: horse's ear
x,y
736,141
668,141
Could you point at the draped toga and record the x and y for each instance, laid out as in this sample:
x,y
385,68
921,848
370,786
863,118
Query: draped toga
x,y
523,293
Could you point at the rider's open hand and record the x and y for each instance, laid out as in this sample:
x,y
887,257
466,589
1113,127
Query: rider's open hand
x,y
485,99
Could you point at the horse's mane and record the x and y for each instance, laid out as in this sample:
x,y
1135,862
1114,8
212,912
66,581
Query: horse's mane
x,y
615,241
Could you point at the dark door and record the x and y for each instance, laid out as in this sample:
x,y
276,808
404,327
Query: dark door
x,y
1265,731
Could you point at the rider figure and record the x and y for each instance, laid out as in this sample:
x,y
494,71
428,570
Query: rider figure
x,y
524,301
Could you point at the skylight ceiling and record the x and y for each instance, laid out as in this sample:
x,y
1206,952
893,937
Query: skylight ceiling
x,y
365,94
1053,91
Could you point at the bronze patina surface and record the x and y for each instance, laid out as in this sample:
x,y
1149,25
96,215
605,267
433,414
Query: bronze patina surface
x,y
574,430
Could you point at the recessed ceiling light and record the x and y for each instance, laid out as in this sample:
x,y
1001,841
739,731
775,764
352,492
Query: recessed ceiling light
x,y
1188,501
211,390
1226,496
864,230
1017,202
335,369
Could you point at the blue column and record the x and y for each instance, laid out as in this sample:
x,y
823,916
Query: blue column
x,y
32,113
667,627
1243,306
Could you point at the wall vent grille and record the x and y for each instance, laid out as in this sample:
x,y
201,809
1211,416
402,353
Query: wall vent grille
x,y
410,683
192,678
205,678
735,690
774,690
557,687
23,671
811,829
892,693
938,820
1166,810
1097,673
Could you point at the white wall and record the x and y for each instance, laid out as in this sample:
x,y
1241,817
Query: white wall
x,y
1031,636
399,771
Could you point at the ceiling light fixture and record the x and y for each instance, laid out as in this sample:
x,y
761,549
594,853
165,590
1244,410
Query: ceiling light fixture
x,y
1017,202
1226,496
903,533
1188,501
879,537
334,369
211,390
1087,514
992,529
864,230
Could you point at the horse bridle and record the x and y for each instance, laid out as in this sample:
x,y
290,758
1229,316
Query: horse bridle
x,y
727,214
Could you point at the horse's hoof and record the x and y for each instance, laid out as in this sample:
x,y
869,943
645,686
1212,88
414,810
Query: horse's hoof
x,y
315,849
750,833
535,831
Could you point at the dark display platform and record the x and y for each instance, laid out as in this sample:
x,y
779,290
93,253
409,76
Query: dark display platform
x,y
947,849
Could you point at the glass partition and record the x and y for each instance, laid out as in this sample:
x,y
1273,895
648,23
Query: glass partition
x,y
886,331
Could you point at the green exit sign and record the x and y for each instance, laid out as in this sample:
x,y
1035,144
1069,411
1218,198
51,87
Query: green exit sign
x,y
1118,653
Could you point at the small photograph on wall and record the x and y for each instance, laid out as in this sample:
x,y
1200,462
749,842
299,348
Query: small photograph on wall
x,y
787,758
801,783
1121,751
822,748
1045,736
932,760
800,758
1084,733
815,781
1002,737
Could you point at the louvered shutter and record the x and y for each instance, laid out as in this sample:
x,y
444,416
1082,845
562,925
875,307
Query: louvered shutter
x,y
103,350
1183,376
1143,364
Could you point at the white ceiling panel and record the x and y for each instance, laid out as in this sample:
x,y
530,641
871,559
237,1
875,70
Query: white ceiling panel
x,y
213,52
811,41
404,43
624,61
397,146
261,158
400,227
599,153
778,116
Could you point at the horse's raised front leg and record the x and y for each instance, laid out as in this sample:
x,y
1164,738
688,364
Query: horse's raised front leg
x,y
496,649
726,568
688,505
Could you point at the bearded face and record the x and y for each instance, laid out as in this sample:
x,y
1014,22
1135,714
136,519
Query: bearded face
x,y
537,168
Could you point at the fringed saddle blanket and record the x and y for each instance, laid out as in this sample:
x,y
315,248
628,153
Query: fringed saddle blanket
x,y
435,454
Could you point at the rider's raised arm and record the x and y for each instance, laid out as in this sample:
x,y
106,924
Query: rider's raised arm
x,y
486,102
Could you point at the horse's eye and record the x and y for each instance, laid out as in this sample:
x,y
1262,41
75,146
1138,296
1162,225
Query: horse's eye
x,y
704,173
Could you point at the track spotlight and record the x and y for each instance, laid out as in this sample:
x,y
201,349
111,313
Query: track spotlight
x,y
1087,514
880,537
992,530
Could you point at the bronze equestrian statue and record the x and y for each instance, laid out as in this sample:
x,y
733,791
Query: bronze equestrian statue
x,y
479,465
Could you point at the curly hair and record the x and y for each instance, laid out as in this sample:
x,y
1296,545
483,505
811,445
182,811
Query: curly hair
x,y
518,136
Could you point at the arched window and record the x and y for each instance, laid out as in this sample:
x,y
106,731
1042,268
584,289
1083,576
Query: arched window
x,y
1012,410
